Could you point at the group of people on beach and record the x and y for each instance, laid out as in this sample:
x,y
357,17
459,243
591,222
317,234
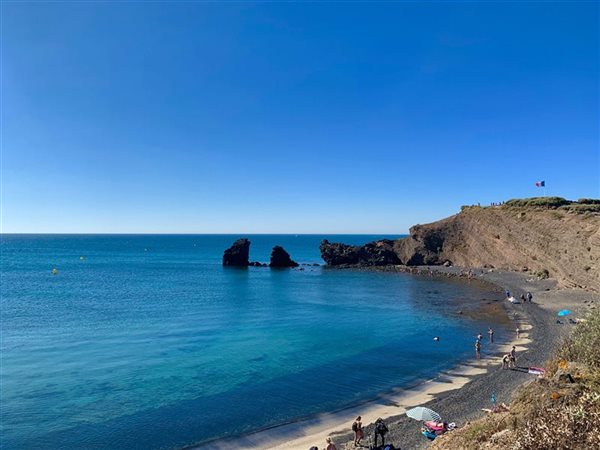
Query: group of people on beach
x,y
525,297
510,359
480,338
380,430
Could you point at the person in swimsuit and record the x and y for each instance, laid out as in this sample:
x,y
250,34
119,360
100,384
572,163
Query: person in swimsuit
x,y
478,348
491,334
358,431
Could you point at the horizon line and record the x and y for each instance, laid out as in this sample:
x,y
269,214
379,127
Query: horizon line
x,y
194,234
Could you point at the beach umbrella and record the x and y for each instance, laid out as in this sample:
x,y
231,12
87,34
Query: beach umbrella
x,y
564,312
422,413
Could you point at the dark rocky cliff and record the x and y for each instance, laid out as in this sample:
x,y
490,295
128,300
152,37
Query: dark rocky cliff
x,y
559,242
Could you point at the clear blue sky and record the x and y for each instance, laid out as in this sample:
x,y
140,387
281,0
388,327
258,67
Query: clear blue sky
x,y
291,117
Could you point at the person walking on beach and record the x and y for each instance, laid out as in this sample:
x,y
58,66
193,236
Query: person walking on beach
x,y
518,332
478,349
330,445
491,335
358,431
529,297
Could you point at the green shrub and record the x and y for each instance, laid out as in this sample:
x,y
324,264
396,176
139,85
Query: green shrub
x,y
589,201
538,202
584,345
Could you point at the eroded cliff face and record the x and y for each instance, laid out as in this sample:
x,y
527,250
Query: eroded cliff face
x,y
566,245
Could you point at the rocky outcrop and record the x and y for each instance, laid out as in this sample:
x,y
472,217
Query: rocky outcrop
x,y
337,254
378,253
237,254
281,258
548,242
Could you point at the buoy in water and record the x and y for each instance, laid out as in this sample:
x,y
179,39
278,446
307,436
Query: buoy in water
x,y
55,271
81,258
437,338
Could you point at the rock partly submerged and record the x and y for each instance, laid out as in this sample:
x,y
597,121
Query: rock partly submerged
x,y
237,254
281,258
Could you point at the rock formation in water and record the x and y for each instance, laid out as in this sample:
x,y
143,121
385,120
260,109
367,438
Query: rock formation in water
x,y
237,254
281,258
257,264
378,253
560,241
337,254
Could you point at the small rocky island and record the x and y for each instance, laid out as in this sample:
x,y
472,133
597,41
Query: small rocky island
x,y
281,258
237,254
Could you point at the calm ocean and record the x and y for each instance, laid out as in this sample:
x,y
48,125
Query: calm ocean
x,y
147,342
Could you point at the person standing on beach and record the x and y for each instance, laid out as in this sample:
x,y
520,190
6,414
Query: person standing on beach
x,y
507,292
513,357
478,348
358,431
491,334
518,332
529,297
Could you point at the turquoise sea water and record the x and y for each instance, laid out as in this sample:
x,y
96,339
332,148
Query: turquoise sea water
x,y
147,342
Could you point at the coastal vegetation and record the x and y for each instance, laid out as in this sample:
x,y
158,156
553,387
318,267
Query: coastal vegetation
x,y
560,410
581,206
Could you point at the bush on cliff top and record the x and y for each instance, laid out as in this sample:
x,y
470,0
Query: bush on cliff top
x,y
538,202
589,201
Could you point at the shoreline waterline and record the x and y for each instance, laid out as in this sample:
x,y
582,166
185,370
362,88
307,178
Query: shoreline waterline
x,y
305,433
